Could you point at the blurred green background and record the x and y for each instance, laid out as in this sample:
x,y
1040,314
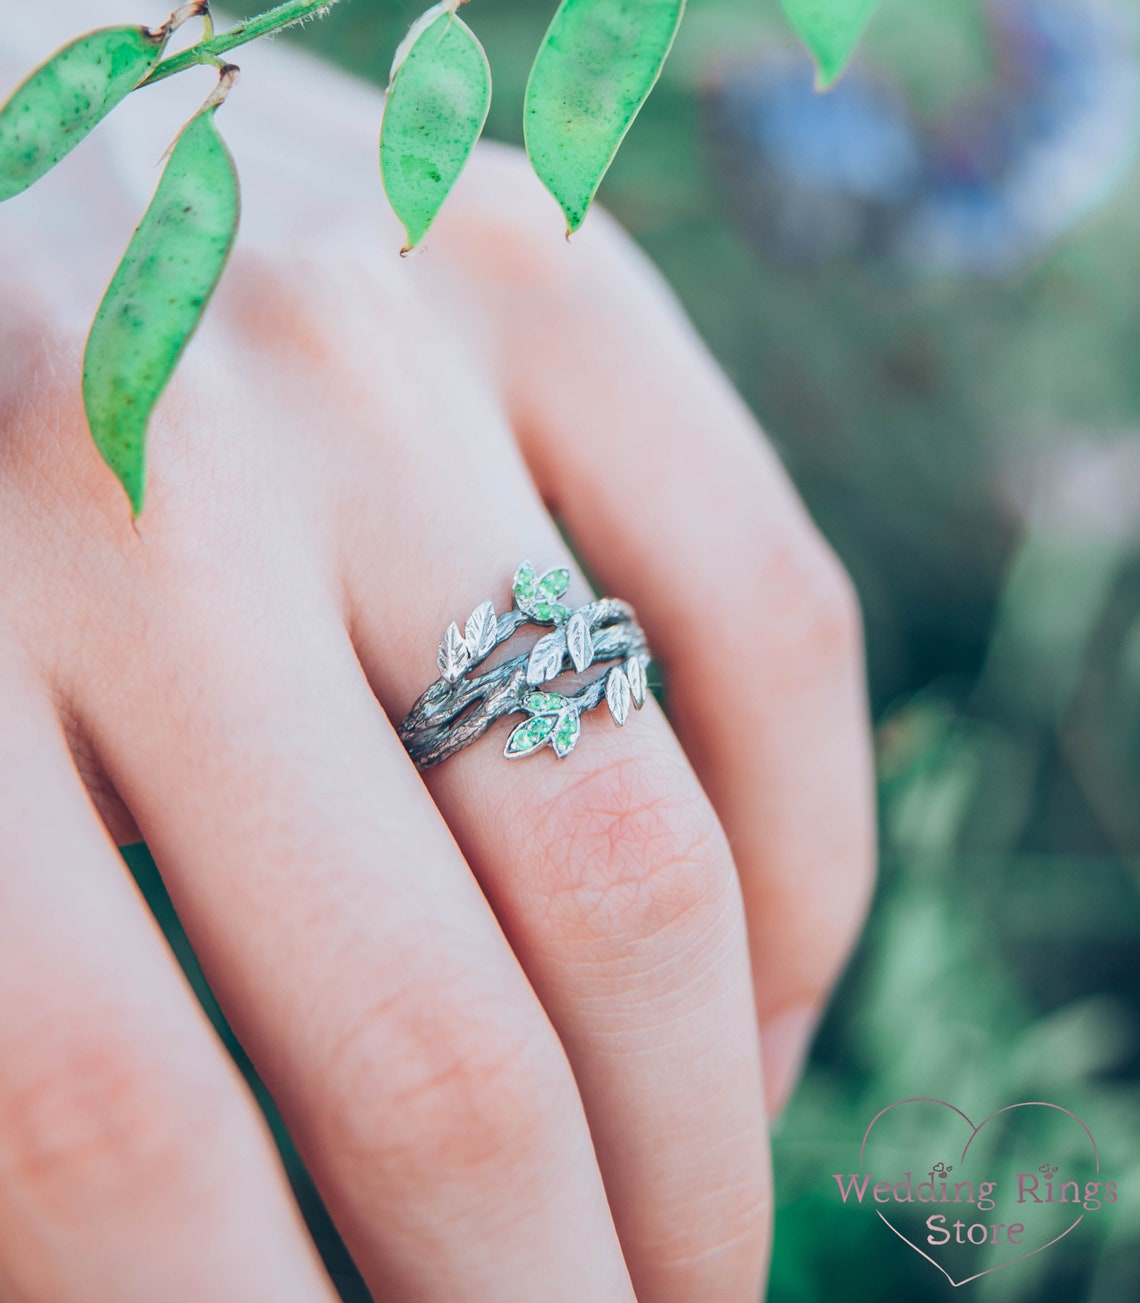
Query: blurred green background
x,y
970,443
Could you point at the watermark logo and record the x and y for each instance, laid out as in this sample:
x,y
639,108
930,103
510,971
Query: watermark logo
x,y
1022,1179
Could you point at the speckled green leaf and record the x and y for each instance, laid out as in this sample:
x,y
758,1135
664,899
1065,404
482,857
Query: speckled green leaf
x,y
596,65
543,702
54,108
524,584
438,96
528,736
566,734
157,296
548,612
554,583
830,29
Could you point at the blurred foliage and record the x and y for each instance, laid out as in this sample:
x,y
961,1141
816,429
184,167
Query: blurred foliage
x,y
972,449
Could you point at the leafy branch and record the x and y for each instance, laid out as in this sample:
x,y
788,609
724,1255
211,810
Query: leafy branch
x,y
596,66
210,49
461,705
554,718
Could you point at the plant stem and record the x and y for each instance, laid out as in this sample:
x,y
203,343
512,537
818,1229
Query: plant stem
x,y
273,20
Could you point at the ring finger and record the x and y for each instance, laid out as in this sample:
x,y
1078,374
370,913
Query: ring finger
x,y
608,871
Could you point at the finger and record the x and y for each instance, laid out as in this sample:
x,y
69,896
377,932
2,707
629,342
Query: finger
x,y
133,1165
672,496
608,871
345,937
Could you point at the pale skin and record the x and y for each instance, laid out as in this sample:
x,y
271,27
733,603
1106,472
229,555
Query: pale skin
x,y
527,1021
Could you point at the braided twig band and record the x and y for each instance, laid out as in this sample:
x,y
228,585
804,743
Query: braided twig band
x,y
460,707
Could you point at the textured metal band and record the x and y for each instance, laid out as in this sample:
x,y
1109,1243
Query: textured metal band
x,y
460,706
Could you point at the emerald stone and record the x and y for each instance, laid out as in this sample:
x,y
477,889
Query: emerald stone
x,y
524,584
566,734
531,734
539,727
536,702
554,583
552,612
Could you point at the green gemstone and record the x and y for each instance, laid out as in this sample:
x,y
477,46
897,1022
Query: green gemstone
x,y
554,583
540,727
543,701
568,730
553,612
531,734
524,584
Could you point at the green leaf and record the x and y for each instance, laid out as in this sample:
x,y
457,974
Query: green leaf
x,y
548,612
830,29
566,734
158,295
594,70
541,702
68,95
524,585
438,96
554,583
531,734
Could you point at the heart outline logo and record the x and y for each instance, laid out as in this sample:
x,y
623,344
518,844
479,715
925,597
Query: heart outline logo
x,y
1029,1103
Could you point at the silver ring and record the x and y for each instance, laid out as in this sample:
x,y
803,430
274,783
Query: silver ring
x,y
460,706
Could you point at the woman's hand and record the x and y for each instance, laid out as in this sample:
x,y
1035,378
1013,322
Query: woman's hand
x,y
513,1014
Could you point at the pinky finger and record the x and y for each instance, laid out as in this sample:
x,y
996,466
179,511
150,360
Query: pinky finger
x,y
133,1165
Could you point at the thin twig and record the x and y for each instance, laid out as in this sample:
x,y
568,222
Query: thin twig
x,y
273,20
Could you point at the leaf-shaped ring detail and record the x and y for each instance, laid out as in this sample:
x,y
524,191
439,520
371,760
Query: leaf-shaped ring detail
x,y
468,698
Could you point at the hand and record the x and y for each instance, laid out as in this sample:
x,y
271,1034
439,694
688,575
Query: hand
x,y
512,1013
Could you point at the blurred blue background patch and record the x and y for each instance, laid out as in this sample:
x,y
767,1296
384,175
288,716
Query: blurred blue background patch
x,y
977,188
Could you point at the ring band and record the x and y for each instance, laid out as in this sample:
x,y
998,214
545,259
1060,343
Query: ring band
x,y
461,706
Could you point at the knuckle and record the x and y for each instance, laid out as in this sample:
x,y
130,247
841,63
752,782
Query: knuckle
x,y
39,409
499,205
633,852
95,1121
819,930
499,192
850,885
433,1080
842,924
809,606
59,505
272,304
838,616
